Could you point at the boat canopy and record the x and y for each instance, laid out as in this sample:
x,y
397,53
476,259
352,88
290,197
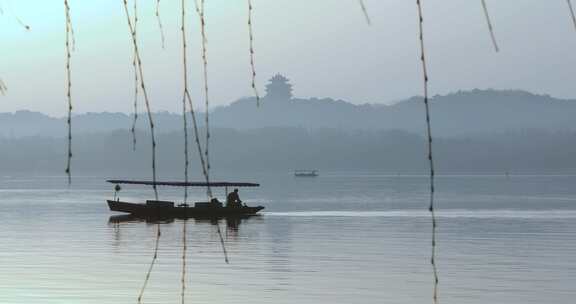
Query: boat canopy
x,y
183,184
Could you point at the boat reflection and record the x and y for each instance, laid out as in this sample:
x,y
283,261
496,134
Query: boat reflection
x,y
232,222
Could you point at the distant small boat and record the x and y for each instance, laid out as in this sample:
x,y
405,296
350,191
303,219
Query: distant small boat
x,y
167,209
305,173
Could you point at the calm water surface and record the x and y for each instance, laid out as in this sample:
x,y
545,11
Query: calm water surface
x,y
338,238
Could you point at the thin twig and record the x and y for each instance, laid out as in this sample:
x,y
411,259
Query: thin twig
x,y
365,11
197,6
69,22
203,162
24,25
224,251
252,65
18,20
160,24
145,94
193,114
186,158
135,67
151,266
572,12
184,110
430,158
153,138
490,27
196,134
69,35
3,87
206,97
186,98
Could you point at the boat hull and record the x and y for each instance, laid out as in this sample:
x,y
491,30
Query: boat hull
x,y
146,210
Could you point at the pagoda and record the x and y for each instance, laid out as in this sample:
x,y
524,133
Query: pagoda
x,y
279,88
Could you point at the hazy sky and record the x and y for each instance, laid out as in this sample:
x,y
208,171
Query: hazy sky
x,y
323,46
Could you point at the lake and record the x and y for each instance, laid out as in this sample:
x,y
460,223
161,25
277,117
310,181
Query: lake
x,y
338,238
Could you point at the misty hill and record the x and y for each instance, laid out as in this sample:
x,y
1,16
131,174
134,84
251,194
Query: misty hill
x,y
460,113
242,152
28,123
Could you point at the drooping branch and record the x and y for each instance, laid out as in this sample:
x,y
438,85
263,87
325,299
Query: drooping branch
x,y
571,8
24,25
144,93
3,87
18,20
186,157
160,27
184,110
252,65
224,251
365,11
206,95
196,133
490,27
429,135
151,266
136,86
136,53
69,47
205,163
70,29
186,98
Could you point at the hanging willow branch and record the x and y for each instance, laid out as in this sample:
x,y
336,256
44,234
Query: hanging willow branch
x,y
154,258
69,23
224,251
18,20
252,65
430,158
69,47
490,27
365,11
144,93
206,95
196,133
24,25
135,67
132,30
571,8
3,87
160,23
186,158
205,163
184,96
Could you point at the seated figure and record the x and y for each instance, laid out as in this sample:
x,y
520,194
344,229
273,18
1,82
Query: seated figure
x,y
233,199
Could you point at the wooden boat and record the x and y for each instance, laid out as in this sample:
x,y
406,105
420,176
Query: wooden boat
x,y
167,209
305,173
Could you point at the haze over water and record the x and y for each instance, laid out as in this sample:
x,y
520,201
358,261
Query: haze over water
x,y
338,238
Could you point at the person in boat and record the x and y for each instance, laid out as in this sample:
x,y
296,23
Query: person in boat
x,y
233,199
